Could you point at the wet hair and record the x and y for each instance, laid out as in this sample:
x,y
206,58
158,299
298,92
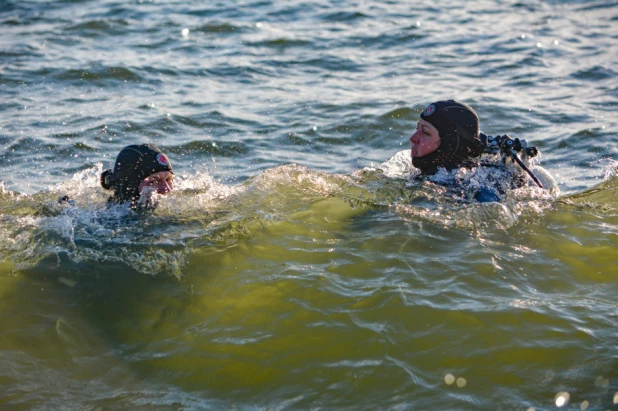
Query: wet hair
x,y
133,164
460,145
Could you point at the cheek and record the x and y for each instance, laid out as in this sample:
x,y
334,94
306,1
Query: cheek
x,y
434,144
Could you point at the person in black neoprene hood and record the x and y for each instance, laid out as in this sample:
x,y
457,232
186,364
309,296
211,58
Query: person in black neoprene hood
x,y
137,168
448,136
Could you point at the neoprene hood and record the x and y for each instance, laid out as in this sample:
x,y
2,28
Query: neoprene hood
x,y
133,164
458,126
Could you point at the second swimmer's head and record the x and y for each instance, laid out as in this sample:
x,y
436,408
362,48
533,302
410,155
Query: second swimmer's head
x,y
447,136
138,167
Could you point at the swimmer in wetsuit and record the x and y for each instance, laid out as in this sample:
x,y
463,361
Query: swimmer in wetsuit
x,y
139,171
448,137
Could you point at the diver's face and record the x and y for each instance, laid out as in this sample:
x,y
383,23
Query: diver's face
x,y
425,140
161,182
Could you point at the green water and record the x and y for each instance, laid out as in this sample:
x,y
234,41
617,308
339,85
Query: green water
x,y
332,302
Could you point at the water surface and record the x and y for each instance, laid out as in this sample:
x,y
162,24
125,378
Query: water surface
x,y
296,266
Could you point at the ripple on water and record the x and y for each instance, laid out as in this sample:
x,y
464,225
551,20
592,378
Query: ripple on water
x,y
222,28
595,73
99,28
220,148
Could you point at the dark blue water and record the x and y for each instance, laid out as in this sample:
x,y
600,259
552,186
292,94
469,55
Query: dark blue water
x,y
285,272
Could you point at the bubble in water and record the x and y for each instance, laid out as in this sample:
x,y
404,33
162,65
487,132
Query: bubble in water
x,y
556,42
185,32
584,405
531,409
562,398
616,397
539,45
449,379
461,382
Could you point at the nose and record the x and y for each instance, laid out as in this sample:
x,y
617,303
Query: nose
x,y
414,137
